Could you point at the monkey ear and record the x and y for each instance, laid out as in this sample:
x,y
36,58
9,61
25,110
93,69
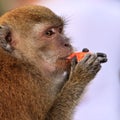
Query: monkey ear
x,y
5,38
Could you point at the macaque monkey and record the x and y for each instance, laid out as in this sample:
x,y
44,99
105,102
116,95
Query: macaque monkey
x,y
36,80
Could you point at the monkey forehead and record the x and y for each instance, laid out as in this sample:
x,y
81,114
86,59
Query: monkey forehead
x,y
24,15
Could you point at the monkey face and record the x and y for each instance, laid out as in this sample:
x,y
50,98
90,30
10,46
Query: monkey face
x,y
35,33
52,44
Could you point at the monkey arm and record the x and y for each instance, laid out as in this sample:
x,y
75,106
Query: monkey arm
x,y
67,99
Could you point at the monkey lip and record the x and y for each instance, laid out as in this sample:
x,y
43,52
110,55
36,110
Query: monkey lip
x,y
65,57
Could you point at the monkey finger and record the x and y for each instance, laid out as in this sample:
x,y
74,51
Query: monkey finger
x,y
101,54
102,59
92,59
74,61
95,66
86,58
96,62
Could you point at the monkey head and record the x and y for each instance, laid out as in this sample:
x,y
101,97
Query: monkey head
x,y
35,34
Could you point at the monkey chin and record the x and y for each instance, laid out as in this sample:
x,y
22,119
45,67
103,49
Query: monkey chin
x,y
62,65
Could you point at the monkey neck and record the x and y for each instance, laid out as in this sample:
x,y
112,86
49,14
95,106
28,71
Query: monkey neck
x,y
57,75
59,80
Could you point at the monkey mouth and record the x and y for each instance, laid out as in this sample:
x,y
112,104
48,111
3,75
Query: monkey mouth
x,y
65,57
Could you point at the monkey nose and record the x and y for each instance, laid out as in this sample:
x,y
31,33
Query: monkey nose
x,y
67,45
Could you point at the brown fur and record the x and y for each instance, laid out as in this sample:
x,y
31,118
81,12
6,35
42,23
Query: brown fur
x,y
22,94
32,85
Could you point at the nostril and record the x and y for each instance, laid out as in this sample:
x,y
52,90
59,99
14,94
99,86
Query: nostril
x,y
67,45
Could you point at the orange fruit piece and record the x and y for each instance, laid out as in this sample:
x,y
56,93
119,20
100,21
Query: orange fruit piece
x,y
79,55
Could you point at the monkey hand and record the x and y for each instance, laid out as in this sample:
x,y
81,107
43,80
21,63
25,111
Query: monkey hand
x,y
87,68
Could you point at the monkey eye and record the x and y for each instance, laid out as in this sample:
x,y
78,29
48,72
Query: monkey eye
x,y
50,32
